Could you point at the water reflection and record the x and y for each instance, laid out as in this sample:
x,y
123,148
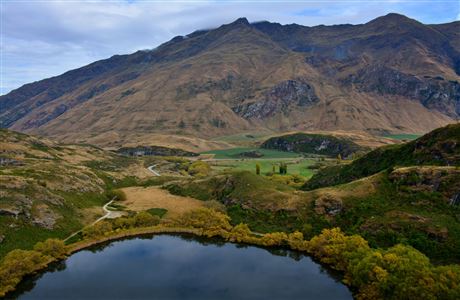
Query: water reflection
x,y
183,267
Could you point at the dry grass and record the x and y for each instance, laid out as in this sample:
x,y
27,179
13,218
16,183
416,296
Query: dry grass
x,y
140,198
359,188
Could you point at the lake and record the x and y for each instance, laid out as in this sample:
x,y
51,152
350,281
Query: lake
x,y
182,267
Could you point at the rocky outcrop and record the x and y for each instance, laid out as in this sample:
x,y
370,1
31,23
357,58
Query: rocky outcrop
x,y
328,205
5,161
313,143
234,88
44,217
429,179
433,92
154,151
280,98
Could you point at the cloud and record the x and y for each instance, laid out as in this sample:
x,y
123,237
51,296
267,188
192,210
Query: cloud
x,y
46,38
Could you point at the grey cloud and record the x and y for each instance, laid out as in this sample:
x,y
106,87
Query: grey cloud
x,y
43,39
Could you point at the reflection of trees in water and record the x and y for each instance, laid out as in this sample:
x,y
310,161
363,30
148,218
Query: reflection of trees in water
x,y
30,281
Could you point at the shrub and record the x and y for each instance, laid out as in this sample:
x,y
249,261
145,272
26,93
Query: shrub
x,y
212,222
333,247
199,169
123,223
274,239
119,195
240,233
16,265
52,247
98,229
145,219
215,205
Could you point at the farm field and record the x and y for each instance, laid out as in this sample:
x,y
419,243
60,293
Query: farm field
x,y
403,136
294,166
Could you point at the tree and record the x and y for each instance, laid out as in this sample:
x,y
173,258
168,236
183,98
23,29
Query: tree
x,y
52,247
212,222
144,219
339,158
257,168
199,168
283,168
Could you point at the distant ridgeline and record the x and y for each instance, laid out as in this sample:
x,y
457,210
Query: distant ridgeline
x,y
154,151
313,143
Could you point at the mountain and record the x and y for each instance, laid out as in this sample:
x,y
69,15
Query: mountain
x,y
392,74
440,147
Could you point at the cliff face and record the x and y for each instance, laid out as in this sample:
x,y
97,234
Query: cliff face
x,y
392,74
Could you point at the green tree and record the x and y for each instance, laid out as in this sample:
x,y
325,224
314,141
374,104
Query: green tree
x,y
144,219
199,169
52,247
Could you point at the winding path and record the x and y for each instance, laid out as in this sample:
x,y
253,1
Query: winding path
x,y
153,171
111,214
108,214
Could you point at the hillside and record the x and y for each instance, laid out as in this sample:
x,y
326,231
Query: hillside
x,y
418,206
51,190
314,144
390,75
440,147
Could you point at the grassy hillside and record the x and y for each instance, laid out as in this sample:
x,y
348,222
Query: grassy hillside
x,y
417,206
51,190
439,147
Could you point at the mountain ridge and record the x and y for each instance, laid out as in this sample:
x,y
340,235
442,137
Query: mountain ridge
x,y
392,74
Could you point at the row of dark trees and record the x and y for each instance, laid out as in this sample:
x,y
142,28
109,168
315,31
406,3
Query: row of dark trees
x,y
282,168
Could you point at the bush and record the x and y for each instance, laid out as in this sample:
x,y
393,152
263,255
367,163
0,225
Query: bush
x,y
334,248
119,195
400,272
160,212
98,229
16,265
240,233
123,223
52,247
274,239
212,222
215,205
199,169
145,219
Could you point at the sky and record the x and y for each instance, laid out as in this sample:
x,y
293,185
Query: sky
x,y
40,39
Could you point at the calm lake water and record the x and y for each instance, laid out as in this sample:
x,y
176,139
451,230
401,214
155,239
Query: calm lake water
x,y
179,267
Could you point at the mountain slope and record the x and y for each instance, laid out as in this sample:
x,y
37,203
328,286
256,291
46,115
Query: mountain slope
x,y
392,74
440,147
49,189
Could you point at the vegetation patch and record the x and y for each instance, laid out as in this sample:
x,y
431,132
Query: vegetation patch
x,y
440,147
160,212
314,144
